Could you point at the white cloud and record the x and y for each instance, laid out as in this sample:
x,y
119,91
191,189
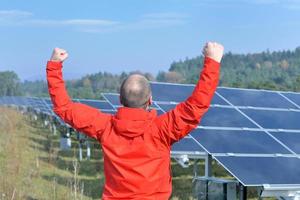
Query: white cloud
x,y
14,14
147,21
24,18
72,22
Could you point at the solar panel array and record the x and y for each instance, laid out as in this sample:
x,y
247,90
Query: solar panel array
x,y
45,106
254,134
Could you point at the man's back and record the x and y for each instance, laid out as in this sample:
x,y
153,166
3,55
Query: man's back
x,y
136,161
136,142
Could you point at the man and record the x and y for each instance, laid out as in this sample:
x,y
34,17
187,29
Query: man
x,y
135,141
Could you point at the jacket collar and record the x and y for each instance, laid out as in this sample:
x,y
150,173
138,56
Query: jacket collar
x,y
135,113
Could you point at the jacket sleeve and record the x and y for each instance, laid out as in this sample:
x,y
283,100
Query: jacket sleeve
x,y
181,120
83,118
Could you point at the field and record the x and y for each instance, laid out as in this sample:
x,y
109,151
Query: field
x,y
33,167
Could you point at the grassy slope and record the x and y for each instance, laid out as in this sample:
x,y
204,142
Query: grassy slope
x,y
32,167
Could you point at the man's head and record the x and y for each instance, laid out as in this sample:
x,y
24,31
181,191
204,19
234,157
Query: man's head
x,y
135,92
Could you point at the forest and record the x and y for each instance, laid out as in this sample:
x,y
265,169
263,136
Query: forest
x,y
277,70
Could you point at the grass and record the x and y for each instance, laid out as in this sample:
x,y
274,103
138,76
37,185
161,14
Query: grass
x,y
32,166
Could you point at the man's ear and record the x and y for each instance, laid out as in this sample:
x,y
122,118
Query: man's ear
x,y
150,100
120,99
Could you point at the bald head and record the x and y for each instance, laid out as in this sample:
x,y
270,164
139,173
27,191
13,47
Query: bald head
x,y
135,91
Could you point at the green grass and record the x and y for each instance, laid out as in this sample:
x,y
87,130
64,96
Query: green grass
x,y
33,167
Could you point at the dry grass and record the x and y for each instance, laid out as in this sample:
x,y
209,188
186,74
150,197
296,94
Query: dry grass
x,y
27,167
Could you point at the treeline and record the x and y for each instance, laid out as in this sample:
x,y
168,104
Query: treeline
x,y
267,70
89,86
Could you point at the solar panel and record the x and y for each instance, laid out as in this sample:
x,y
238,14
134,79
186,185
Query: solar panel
x,y
294,97
291,140
114,99
256,171
176,93
187,144
271,119
104,105
246,132
238,141
219,117
255,98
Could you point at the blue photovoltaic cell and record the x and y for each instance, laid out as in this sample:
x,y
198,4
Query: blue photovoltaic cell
x,y
295,97
19,101
275,119
176,93
255,98
114,99
96,104
225,117
256,171
7,100
291,140
219,117
238,141
187,145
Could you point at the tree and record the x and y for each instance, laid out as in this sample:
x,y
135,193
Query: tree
x,y
9,84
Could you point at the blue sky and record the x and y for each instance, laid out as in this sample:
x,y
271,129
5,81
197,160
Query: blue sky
x,y
145,35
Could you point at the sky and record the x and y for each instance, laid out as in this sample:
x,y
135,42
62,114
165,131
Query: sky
x,y
144,35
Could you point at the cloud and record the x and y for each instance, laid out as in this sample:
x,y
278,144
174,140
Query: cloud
x,y
25,18
72,22
146,21
9,14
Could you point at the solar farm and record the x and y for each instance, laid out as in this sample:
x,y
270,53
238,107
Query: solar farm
x,y
253,134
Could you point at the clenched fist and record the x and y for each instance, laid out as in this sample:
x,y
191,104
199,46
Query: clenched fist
x,y
214,51
59,55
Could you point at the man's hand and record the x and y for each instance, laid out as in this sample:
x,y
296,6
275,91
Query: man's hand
x,y
214,51
59,55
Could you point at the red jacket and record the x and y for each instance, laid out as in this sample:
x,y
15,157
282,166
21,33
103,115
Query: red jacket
x,y
136,143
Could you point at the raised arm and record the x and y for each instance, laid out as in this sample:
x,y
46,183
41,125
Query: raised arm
x,y
83,118
181,120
